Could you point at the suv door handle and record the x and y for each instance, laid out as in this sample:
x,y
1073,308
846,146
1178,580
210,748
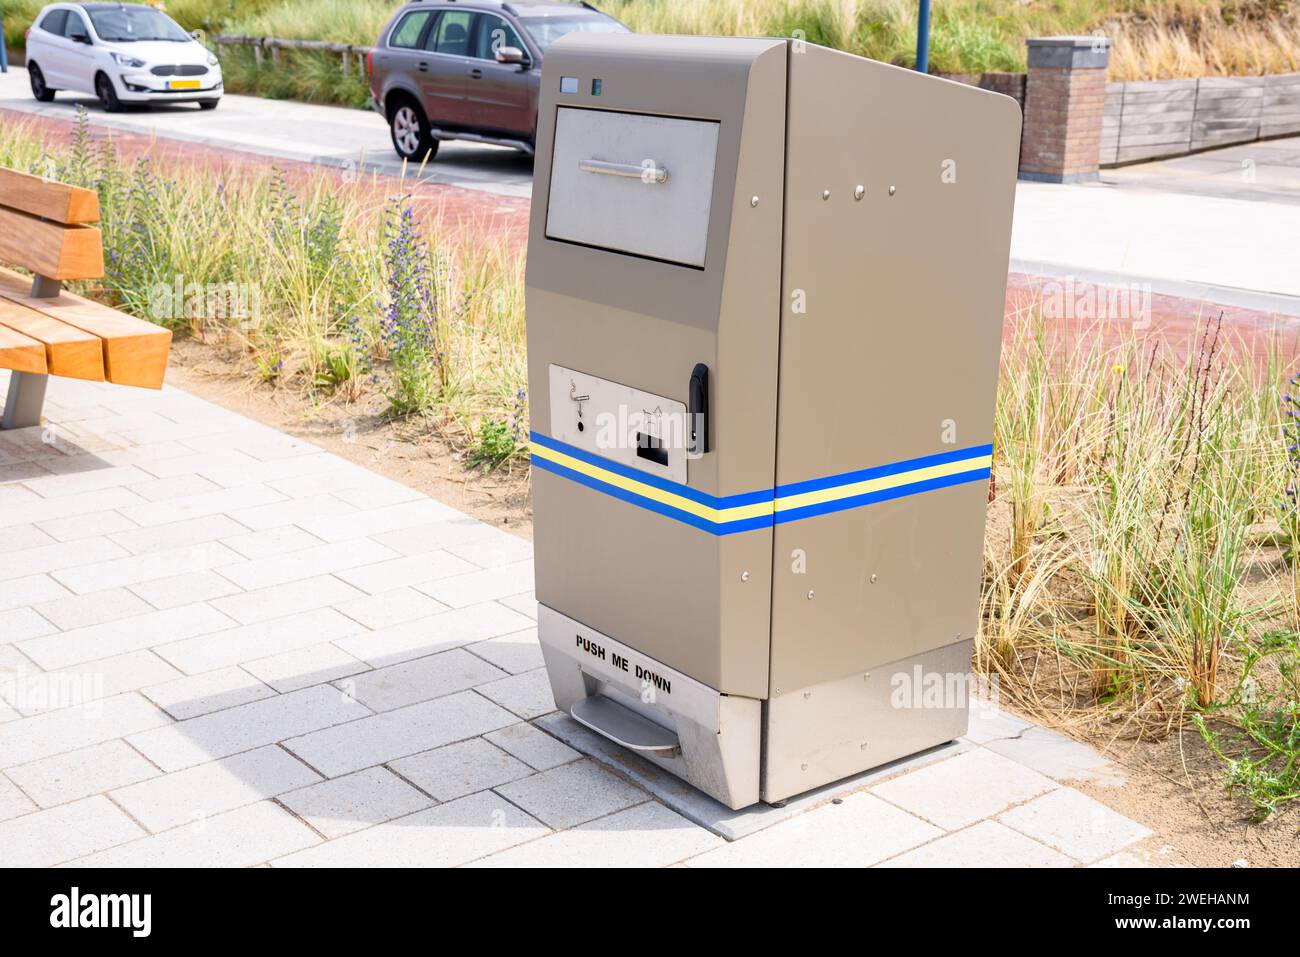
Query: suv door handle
x,y
476,73
424,67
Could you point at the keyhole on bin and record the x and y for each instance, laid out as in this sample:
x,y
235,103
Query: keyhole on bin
x,y
573,394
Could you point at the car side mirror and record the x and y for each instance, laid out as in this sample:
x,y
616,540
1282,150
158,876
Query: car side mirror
x,y
512,55
80,38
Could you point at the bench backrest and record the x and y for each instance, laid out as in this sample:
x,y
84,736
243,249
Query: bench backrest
x,y
45,227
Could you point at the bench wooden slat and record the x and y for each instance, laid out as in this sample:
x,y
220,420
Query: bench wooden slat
x,y
21,353
49,200
68,351
134,351
51,249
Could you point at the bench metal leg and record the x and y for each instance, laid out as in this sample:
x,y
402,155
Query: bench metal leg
x,y
25,401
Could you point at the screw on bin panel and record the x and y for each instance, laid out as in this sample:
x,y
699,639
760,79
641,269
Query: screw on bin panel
x,y
837,800
744,576
810,594
803,767
892,190
753,201
826,194
807,695
859,191
873,578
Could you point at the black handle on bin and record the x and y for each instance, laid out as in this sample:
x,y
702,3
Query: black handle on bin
x,y
697,411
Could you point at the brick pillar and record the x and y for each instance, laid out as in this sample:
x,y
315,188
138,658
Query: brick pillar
x,y
1065,96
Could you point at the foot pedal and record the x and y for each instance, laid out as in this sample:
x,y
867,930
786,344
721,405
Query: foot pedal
x,y
624,726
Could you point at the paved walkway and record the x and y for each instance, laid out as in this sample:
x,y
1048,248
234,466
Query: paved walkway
x,y
220,645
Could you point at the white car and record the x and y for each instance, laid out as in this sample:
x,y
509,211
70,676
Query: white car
x,y
121,52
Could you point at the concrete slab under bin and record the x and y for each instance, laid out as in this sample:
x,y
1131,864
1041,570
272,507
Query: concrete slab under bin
x,y
704,810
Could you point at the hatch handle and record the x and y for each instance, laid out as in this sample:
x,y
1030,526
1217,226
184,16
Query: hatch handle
x,y
697,412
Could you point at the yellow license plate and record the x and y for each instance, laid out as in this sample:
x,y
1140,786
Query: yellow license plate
x,y
182,84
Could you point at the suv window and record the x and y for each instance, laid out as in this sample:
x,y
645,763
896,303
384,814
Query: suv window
x,y
53,22
407,33
494,33
75,27
451,35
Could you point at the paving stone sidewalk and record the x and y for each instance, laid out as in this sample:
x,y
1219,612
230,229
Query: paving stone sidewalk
x,y
220,645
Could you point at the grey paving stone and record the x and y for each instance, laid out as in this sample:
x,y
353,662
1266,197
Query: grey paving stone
x,y
210,736
404,572
28,590
527,695
175,590
985,844
59,557
202,792
462,768
271,541
116,675
483,586
1075,824
375,740
240,838
62,833
227,500
965,789
1060,758
177,535
493,551
572,794
91,480
12,800
321,560
193,695
86,526
43,510
19,624
79,611
443,836
427,636
294,511
67,729
525,604
431,536
419,680
253,642
182,486
861,831
648,835
133,569
355,801
989,722
391,608
376,521
304,667
280,601
516,653
118,637
21,537
533,746
77,774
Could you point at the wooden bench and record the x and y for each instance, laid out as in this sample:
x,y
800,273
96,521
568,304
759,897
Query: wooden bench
x,y
46,227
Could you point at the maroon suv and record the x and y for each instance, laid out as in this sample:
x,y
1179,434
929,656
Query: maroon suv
x,y
469,70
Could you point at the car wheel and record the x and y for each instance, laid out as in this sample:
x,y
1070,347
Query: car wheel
x,y
410,132
39,90
208,104
107,95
